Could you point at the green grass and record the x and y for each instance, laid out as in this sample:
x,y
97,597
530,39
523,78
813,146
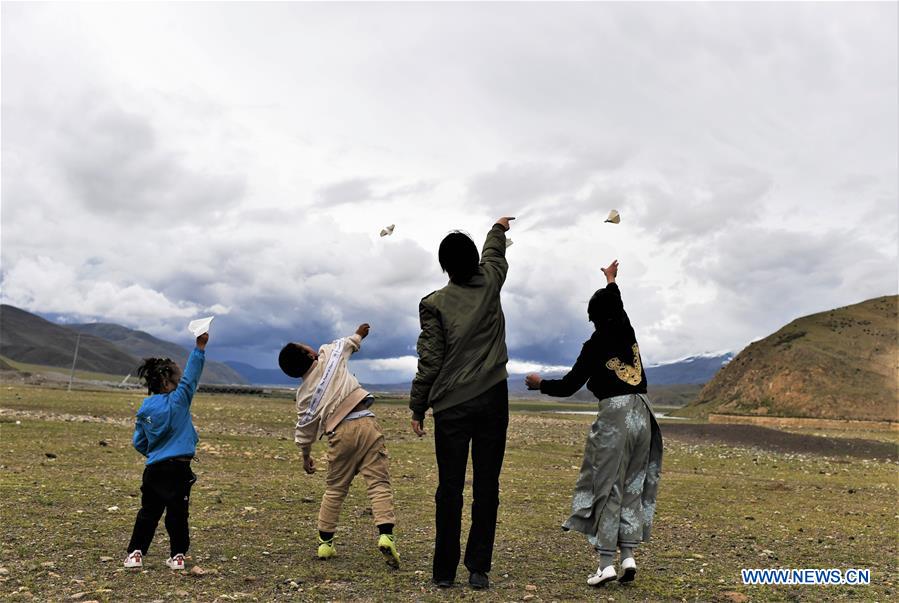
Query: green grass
x,y
253,512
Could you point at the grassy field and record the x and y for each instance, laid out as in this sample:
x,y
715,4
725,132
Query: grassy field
x,y
61,373
720,509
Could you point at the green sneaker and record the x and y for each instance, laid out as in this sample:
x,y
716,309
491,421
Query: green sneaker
x,y
387,546
326,548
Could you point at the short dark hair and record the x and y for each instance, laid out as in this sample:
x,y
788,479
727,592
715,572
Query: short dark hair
x,y
294,361
605,308
458,256
156,372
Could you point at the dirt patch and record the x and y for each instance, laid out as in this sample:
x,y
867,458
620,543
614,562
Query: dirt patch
x,y
780,441
8,414
804,422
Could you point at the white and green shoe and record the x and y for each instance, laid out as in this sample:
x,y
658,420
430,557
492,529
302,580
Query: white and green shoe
x,y
387,546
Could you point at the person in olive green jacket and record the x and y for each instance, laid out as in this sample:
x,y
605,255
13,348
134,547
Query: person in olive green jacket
x,y
462,377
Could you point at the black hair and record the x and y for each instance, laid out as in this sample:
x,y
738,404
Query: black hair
x,y
458,256
294,361
156,372
599,309
609,318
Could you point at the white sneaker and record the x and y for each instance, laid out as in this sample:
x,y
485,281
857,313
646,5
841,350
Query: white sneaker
x,y
134,560
629,570
176,562
602,576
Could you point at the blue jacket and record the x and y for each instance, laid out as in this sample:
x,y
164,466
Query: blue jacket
x,y
164,428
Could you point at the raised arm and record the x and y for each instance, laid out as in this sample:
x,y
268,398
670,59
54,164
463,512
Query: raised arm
x,y
611,273
430,347
605,305
493,255
355,340
187,387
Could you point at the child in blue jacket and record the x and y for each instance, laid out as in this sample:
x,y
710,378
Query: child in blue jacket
x,y
165,434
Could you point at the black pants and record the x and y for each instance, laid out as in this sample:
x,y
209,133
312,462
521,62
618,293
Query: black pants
x,y
482,421
166,487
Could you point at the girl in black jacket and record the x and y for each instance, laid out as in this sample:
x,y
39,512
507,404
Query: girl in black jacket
x,y
615,494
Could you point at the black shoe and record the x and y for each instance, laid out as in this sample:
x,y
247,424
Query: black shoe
x,y
478,580
443,583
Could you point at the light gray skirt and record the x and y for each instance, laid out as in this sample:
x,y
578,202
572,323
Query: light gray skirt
x,y
615,494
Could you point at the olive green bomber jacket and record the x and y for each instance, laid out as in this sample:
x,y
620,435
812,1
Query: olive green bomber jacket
x,y
462,345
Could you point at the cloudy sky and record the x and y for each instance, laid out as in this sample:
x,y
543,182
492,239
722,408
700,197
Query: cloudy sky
x,y
162,162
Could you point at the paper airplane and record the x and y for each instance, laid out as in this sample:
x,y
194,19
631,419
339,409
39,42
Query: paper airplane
x,y
614,218
387,231
200,325
509,243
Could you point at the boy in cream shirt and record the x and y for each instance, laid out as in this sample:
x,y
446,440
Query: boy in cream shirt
x,y
331,402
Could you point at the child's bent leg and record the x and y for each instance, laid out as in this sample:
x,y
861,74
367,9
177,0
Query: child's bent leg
x,y
332,501
375,470
151,508
341,470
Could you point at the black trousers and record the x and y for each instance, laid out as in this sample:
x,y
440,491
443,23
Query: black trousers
x,y
481,421
166,487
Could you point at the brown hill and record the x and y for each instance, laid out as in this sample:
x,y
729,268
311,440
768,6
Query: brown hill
x,y
104,348
29,338
840,364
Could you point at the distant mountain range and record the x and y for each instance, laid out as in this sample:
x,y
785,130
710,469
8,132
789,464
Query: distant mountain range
x,y
260,376
839,364
143,345
103,348
117,350
691,370
695,370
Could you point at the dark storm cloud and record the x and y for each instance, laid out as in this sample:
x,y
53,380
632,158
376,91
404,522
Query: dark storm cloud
x,y
750,150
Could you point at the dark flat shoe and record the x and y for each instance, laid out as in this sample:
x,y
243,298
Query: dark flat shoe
x,y
443,583
478,580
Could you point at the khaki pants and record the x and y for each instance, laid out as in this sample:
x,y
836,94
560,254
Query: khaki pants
x,y
356,446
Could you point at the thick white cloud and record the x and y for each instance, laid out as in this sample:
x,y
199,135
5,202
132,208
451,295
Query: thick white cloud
x,y
45,285
166,160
